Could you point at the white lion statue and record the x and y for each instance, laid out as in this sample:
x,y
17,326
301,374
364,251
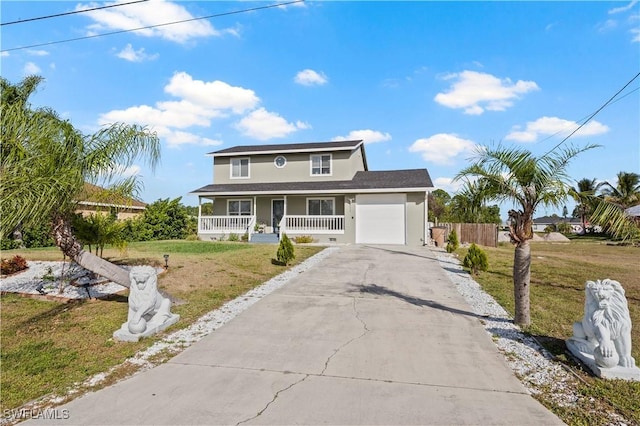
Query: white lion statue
x,y
605,329
149,311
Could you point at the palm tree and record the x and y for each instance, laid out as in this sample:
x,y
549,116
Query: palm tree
x,y
626,193
46,161
583,194
517,176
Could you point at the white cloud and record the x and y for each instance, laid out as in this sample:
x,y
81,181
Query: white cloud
x,y
310,77
31,68
149,14
37,52
623,8
607,25
442,148
367,135
448,184
636,35
476,92
545,126
4,54
129,54
216,94
198,102
263,125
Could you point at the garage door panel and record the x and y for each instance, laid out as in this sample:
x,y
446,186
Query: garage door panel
x,y
380,218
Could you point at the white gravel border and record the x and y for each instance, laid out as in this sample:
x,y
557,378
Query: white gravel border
x,y
531,363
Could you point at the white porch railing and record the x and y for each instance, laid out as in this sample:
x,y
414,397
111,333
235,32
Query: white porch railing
x,y
312,224
227,224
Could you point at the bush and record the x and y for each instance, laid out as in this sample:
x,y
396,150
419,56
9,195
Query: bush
x,y
9,244
476,260
192,237
286,252
303,239
13,265
453,243
233,237
564,228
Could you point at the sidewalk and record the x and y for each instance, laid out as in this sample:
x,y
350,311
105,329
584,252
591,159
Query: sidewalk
x,y
372,335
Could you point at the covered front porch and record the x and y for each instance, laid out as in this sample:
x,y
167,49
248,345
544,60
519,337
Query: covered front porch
x,y
321,217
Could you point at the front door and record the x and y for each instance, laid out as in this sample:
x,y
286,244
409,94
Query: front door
x,y
277,211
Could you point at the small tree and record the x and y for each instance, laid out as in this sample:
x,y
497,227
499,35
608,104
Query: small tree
x,y
286,252
453,243
476,260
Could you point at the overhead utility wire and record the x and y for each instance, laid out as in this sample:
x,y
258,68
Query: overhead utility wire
x,y
585,117
595,113
69,13
151,26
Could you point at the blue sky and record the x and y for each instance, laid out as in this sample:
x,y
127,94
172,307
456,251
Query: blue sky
x,y
421,82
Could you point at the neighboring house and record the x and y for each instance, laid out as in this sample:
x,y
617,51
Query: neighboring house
x,y
540,223
324,190
93,200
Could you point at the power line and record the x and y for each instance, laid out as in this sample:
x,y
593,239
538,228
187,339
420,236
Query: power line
x,y
587,116
217,15
594,114
69,13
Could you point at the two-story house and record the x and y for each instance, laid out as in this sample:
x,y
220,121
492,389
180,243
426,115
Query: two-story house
x,y
322,189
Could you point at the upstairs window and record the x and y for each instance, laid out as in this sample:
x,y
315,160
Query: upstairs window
x,y
239,168
321,165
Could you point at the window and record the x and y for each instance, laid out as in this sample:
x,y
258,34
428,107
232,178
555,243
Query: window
x,y
321,165
320,206
239,207
239,168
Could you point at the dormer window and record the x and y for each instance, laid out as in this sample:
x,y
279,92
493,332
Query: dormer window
x,y
321,165
240,168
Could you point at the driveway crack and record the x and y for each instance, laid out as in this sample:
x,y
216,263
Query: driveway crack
x,y
347,343
275,396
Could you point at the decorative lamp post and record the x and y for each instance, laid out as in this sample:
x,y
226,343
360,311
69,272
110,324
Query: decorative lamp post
x,y
166,261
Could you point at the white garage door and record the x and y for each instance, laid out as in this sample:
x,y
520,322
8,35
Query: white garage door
x,y
380,218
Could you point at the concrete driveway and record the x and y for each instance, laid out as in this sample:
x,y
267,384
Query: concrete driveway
x,y
372,335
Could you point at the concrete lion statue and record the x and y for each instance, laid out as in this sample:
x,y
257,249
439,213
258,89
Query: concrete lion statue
x,y
149,311
605,329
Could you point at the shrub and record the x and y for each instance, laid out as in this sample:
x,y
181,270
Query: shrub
x,y
549,228
192,237
9,244
303,239
245,237
476,260
13,265
233,237
564,228
286,252
453,243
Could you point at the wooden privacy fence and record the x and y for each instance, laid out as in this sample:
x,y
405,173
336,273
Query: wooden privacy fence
x,y
485,234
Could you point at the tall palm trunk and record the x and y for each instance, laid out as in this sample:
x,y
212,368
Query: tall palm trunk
x,y
521,231
521,282
70,246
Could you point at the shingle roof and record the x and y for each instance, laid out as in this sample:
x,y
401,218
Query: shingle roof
x,y
367,181
555,219
95,195
633,211
275,148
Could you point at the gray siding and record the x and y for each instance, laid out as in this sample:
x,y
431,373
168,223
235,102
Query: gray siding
x,y
344,166
416,221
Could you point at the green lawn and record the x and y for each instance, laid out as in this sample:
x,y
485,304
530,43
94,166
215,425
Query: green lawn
x,y
49,346
558,275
